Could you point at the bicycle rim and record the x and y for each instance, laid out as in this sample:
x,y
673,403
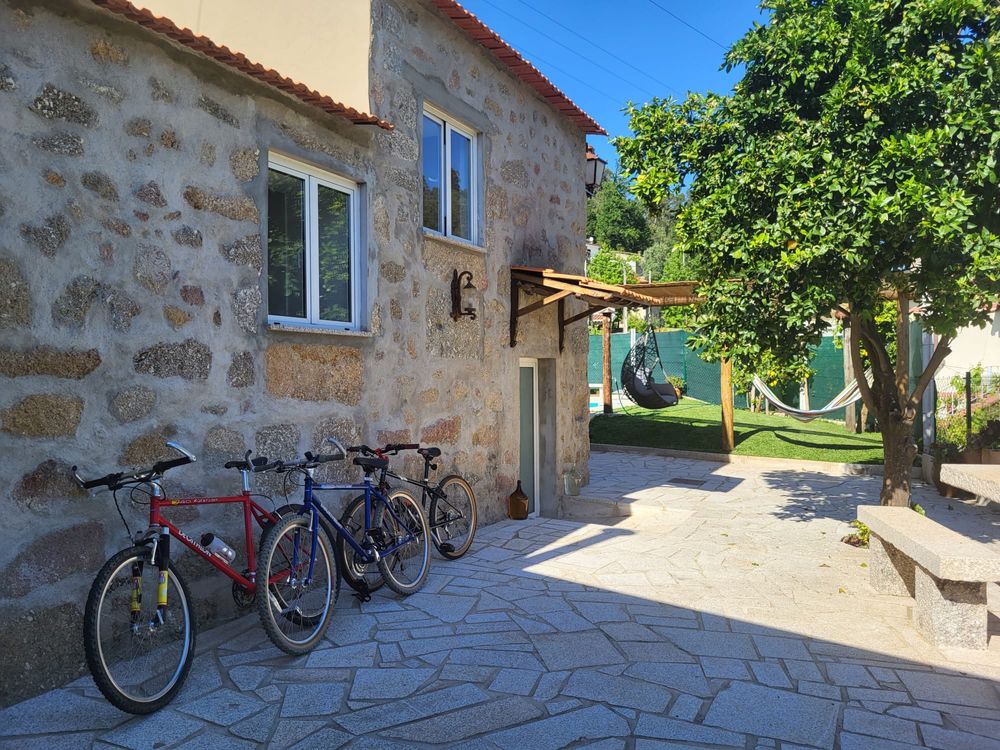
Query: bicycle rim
x,y
405,568
453,518
139,657
296,610
360,575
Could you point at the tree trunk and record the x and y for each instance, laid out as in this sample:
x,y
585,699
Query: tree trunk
x,y
900,450
890,397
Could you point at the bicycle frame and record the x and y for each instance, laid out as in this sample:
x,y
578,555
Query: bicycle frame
x,y
158,525
315,509
426,489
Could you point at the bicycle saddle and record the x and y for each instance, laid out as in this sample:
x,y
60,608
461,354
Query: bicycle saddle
x,y
371,463
429,453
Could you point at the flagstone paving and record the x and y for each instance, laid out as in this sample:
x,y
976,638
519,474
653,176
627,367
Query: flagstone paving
x,y
725,615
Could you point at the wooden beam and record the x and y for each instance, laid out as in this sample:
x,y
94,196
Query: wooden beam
x,y
557,297
585,314
553,284
562,326
726,397
606,349
515,288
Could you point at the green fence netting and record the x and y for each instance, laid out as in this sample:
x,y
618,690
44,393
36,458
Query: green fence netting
x,y
702,378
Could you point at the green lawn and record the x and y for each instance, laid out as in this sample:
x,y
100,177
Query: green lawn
x,y
696,426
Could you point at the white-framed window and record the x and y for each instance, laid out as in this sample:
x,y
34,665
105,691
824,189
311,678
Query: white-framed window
x,y
450,177
313,265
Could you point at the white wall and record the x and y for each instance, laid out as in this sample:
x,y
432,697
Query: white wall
x,y
324,44
971,346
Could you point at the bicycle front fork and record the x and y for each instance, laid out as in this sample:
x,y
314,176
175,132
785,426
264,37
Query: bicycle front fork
x,y
161,559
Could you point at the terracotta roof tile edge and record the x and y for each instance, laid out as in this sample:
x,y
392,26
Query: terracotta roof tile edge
x,y
484,36
237,61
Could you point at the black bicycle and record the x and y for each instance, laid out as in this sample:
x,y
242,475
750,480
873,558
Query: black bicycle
x,y
450,506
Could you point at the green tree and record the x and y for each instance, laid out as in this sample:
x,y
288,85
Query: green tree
x,y
615,221
610,267
663,260
856,158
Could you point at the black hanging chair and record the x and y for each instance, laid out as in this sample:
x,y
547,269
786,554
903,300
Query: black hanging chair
x,y
638,380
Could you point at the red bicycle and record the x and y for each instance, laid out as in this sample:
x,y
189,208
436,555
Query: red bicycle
x,y
139,629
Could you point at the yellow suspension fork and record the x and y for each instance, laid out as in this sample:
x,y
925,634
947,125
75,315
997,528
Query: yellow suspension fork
x,y
162,564
135,600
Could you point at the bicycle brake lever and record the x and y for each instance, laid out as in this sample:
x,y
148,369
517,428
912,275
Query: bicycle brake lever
x,y
77,477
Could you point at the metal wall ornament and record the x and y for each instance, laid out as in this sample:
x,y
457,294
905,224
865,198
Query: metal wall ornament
x,y
457,311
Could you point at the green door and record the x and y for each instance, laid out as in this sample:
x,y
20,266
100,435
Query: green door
x,y
529,456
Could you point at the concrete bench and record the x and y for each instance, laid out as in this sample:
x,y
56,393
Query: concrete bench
x,y
945,572
982,480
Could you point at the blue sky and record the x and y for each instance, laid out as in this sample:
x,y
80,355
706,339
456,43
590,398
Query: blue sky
x,y
671,58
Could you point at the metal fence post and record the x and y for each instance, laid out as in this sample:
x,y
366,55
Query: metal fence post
x,y
968,409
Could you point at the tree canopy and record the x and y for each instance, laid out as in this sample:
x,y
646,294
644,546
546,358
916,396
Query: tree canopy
x,y
615,221
856,159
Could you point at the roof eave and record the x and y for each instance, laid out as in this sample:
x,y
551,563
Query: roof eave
x,y
483,35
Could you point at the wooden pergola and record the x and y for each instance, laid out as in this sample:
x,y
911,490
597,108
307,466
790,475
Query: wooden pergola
x,y
553,287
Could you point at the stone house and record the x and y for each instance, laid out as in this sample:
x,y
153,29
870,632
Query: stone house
x,y
195,247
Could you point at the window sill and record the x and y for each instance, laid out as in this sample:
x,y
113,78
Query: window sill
x,y
454,242
319,330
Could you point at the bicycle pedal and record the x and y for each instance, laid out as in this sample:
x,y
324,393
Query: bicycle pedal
x,y
446,547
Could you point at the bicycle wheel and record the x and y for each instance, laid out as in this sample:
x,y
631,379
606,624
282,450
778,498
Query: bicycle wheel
x,y
138,653
297,609
363,577
453,517
405,568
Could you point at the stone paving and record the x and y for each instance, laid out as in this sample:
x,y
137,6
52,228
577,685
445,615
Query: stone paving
x,y
723,613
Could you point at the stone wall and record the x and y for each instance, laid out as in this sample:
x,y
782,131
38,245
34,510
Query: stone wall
x,y
131,216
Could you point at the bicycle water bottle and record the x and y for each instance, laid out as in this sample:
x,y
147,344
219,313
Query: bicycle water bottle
x,y
218,547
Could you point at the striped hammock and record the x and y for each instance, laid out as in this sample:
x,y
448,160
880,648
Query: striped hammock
x,y
846,397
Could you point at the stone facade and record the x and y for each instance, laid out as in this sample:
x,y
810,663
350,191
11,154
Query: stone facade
x,y
132,213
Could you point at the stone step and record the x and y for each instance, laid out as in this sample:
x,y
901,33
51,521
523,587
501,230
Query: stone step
x,y
584,507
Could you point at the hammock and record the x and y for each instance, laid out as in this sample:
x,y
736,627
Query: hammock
x,y
846,397
637,375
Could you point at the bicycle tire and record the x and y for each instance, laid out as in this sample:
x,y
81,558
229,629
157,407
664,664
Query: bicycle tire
x,y
275,609
360,576
438,518
391,565
100,600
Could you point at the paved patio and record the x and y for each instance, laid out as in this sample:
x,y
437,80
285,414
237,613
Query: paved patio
x,y
724,612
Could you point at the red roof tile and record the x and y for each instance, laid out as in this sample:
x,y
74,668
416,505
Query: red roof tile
x,y
521,68
237,61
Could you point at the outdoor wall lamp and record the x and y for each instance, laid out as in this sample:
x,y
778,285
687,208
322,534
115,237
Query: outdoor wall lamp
x,y
456,295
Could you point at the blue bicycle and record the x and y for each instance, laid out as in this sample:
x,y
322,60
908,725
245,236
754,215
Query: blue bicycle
x,y
296,613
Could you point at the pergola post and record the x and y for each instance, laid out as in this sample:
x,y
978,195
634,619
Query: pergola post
x,y
726,397
850,416
606,353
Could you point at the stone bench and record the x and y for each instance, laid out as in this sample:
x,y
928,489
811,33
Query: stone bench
x,y
945,572
982,480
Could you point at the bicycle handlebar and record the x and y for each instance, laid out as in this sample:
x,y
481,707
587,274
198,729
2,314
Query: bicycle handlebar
x,y
322,458
256,465
396,447
117,479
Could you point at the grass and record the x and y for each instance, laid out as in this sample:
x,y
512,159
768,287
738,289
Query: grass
x,y
696,426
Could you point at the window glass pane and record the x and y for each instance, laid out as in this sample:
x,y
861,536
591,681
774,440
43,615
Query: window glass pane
x,y
433,151
461,186
286,245
334,254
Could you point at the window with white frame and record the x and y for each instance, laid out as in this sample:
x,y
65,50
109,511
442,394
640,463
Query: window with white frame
x,y
313,268
450,154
